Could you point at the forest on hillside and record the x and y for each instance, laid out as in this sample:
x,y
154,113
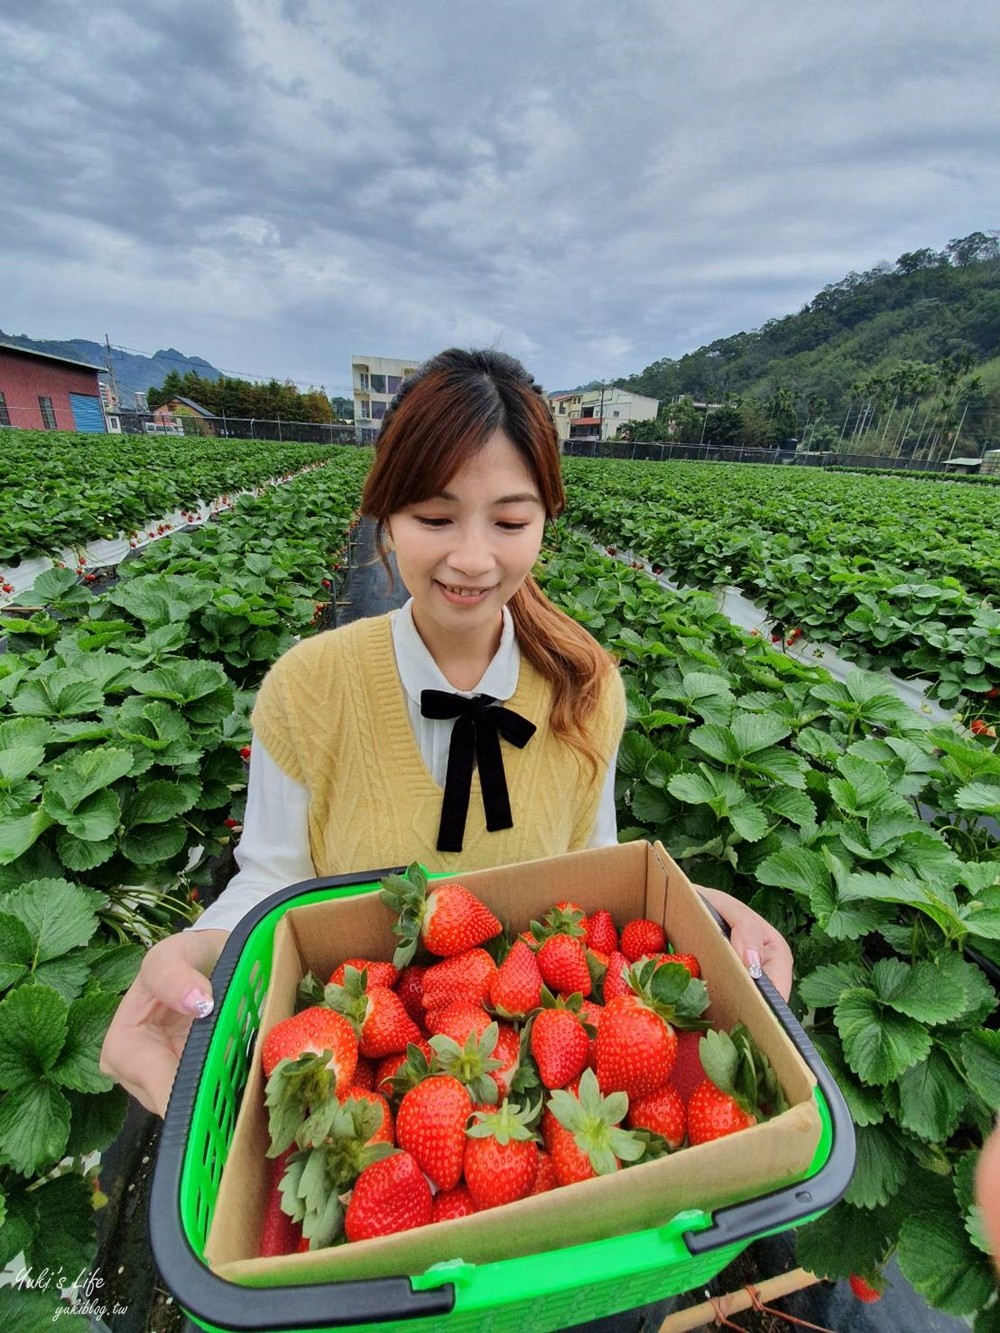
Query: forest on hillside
x,y
901,359
266,401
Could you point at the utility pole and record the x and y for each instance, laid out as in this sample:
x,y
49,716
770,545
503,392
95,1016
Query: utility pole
x,y
109,362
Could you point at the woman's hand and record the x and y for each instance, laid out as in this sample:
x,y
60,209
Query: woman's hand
x,y
762,948
143,1045
988,1191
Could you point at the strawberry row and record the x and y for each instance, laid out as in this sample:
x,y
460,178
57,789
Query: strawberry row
x,y
490,1069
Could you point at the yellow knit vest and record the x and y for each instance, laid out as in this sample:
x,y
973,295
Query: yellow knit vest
x,y
332,714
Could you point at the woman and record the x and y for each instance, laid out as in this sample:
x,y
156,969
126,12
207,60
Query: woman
x,y
476,726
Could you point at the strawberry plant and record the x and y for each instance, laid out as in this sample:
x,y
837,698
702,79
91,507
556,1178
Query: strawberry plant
x,y
864,832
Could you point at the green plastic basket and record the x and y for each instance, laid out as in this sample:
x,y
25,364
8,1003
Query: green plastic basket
x,y
539,1291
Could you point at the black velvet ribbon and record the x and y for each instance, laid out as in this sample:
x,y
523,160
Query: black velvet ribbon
x,y
475,741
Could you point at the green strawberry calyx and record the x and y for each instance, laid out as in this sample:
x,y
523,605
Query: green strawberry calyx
x,y
406,895
471,1063
738,1068
594,1121
671,991
509,1122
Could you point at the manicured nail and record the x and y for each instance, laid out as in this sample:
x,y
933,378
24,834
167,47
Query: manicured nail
x,y
753,964
197,1003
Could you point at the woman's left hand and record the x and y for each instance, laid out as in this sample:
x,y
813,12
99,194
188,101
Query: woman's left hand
x,y
761,947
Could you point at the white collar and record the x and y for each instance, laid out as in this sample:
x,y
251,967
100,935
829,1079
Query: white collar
x,y
418,671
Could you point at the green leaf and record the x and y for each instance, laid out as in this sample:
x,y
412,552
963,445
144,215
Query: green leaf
x,y
33,1023
795,806
692,788
936,1256
97,1120
200,688
87,771
19,1225
18,761
920,991
651,805
879,1044
17,835
157,802
634,754
67,975
754,732
66,1233
796,868
80,855
931,1099
94,819
749,821
879,1168
16,949
843,1241
823,988
34,1125
152,843
58,915
981,1053
717,742
114,968
780,766
87,1025
866,1105
983,797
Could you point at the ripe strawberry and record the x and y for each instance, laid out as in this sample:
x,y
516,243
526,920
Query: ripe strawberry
x,y
458,1019
662,1112
636,1041
584,1138
465,976
601,932
863,1289
280,1235
615,977
376,1014
305,1059
545,1177
687,959
430,1124
508,1052
501,1156
364,1075
473,1062
410,988
642,937
379,973
562,961
448,919
516,989
687,1072
560,1045
741,1087
448,1204
389,1196
397,1074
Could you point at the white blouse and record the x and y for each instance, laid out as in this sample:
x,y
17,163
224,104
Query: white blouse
x,y
273,851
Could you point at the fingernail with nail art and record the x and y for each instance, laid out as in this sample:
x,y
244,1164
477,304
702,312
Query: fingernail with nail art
x,y
753,964
198,1003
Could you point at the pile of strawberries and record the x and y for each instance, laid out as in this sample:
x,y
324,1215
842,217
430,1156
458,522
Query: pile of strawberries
x,y
408,1092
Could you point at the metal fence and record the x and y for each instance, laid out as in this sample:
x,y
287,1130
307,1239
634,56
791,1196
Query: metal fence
x,y
661,452
244,428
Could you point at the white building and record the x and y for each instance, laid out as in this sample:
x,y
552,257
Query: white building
x,y
375,380
596,414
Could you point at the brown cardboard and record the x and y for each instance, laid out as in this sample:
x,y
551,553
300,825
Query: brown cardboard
x,y
632,879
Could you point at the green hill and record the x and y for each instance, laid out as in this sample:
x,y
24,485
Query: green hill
x,y
924,332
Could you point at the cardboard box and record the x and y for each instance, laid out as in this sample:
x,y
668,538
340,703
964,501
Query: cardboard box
x,y
631,880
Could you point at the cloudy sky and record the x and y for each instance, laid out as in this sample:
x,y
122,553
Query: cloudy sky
x,y
588,184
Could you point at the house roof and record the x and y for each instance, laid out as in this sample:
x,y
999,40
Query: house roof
x,y
189,402
48,356
963,462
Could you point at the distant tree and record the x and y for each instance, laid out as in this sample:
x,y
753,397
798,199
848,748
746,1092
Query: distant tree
x,y
977,247
918,259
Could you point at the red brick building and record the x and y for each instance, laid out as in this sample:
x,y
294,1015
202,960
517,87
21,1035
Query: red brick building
x,y
42,392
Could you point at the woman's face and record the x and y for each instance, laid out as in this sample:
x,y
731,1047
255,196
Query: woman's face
x,y
464,553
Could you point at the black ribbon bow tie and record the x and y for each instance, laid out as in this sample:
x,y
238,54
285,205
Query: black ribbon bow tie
x,y
479,724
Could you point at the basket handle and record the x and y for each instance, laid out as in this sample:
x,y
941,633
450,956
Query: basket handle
x,y
787,1206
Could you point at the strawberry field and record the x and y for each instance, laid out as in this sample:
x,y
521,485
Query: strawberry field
x,y
863,831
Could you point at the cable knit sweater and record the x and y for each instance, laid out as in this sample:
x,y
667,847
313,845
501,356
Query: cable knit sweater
x,y
332,714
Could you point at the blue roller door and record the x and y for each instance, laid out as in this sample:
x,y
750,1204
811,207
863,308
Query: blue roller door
x,y
87,414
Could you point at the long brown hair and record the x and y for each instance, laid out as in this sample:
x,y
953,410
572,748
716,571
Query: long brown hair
x,y
441,416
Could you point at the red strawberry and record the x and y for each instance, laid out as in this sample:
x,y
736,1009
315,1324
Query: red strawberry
x,y
466,976
377,1015
379,973
583,1138
662,1112
636,1041
508,1052
410,988
364,1074
501,1156
562,961
601,933
615,982
452,1203
642,937
396,1066
545,1177
687,1072
245,752
687,959
560,1045
741,1087
280,1234
430,1124
863,1289
306,1058
458,1019
516,989
389,1196
447,918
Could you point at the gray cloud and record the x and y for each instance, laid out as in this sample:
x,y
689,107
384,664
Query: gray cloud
x,y
274,184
